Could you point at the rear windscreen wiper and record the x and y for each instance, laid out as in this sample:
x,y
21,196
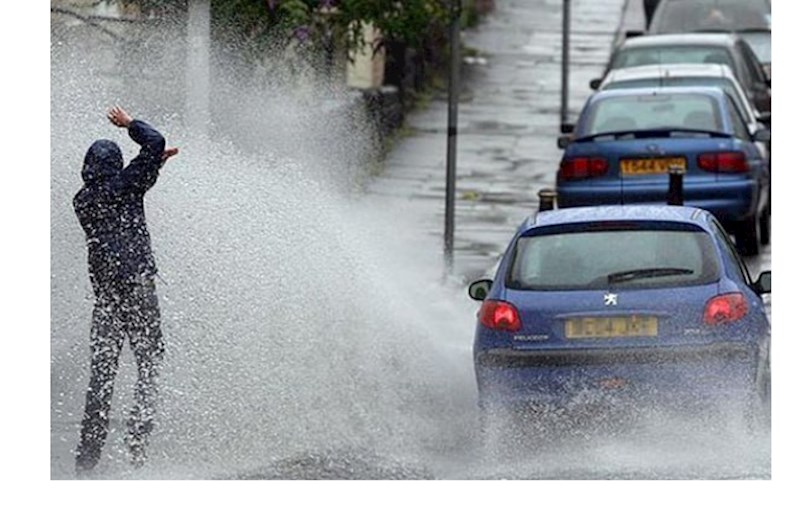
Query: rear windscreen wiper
x,y
712,133
754,30
653,272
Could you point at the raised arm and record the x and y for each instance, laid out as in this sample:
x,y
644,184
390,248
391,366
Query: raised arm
x,y
141,173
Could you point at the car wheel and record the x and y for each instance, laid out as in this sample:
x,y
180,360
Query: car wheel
x,y
763,396
758,405
758,414
764,225
746,234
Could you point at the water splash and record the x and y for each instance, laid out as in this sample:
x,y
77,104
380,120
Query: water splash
x,y
296,315
307,331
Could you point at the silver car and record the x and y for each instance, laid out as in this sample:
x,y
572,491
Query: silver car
x,y
675,75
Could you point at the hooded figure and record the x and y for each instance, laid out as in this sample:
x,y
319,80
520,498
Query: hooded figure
x,y
110,208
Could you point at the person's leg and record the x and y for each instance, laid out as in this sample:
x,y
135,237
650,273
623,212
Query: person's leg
x,y
147,343
106,341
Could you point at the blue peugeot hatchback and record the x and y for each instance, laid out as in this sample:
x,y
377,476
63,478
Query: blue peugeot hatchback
x,y
648,303
626,141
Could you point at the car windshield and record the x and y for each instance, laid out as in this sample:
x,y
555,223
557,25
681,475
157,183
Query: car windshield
x,y
620,258
711,15
647,55
725,84
643,112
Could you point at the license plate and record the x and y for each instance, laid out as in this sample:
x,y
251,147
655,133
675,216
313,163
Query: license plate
x,y
660,165
611,327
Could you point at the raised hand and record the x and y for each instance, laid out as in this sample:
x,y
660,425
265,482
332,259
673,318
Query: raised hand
x,y
119,117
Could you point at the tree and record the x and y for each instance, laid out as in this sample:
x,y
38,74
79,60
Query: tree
x,y
314,22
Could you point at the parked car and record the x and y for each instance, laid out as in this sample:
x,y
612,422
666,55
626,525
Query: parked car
x,y
626,141
685,16
677,75
751,18
760,42
640,303
697,48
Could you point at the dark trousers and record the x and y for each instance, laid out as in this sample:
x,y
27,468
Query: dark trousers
x,y
129,309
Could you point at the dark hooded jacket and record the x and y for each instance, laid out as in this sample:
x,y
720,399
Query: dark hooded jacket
x,y
110,207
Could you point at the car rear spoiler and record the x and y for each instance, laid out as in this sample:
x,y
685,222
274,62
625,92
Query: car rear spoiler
x,y
652,132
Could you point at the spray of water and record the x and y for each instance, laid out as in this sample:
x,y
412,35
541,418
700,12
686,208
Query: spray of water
x,y
297,316
308,332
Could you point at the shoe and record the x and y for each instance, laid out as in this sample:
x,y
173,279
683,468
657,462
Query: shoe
x,y
138,456
137,441
85,463
137,451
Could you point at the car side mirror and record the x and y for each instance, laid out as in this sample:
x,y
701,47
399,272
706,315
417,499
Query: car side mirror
x,y
764,283
564,141
762,135
765,118
479,290
595,84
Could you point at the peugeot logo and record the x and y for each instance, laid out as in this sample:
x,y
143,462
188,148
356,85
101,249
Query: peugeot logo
x,y
610,299
654,149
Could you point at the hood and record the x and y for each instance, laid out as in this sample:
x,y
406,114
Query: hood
x,y
103,160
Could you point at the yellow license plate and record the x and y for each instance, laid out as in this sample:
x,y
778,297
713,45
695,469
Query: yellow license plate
x,y
660,165
611,327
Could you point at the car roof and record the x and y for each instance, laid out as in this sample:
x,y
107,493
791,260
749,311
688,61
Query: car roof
x,y
711,91
669,70
682,39
664,213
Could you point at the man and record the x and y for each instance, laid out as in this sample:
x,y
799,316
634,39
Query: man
x,y
110,208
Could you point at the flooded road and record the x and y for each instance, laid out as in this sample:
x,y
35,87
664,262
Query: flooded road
x,y
309,332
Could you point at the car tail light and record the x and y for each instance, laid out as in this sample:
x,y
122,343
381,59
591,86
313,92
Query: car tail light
x,y
499,315
583,168
723,162
726,308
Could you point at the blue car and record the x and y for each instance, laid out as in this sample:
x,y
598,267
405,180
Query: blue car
x,y
626,141
647,303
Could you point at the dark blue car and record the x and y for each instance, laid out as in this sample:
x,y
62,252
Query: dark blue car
x,y
626,141
642,303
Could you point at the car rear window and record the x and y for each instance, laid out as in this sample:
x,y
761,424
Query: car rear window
x,y
641,112
584,260
672,82
647,55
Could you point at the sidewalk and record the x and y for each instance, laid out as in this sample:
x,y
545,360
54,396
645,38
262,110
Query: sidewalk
x,y
508,124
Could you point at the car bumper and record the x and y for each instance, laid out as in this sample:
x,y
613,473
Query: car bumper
x,y
708,372
729,201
